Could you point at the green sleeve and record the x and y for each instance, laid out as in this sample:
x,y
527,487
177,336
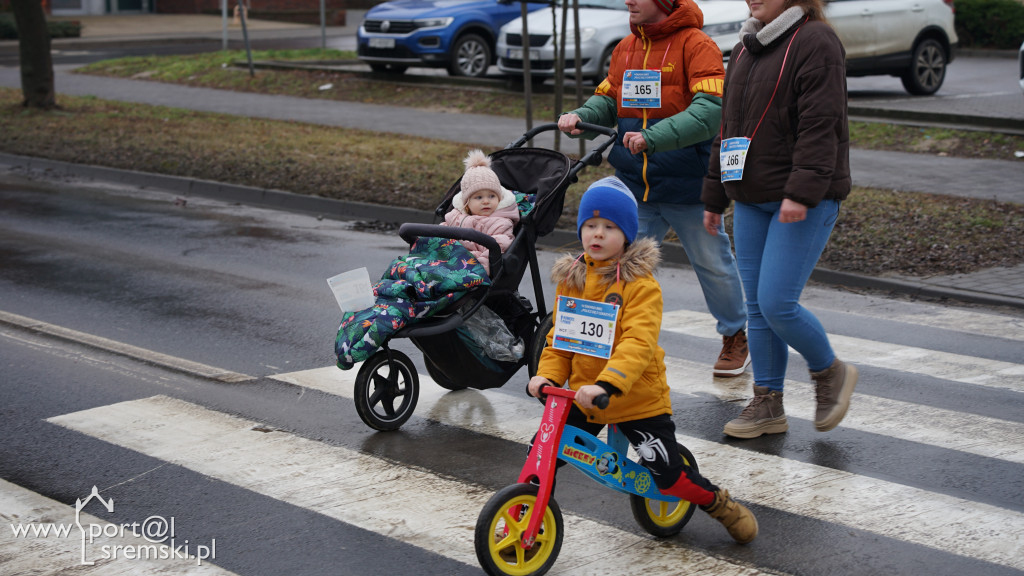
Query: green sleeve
x,y
600,110
699,122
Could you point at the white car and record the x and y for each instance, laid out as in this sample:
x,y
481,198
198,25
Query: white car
x,y
602,23
1020,63
911,39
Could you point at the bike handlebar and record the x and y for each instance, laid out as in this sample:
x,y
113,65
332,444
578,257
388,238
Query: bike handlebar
x,y
600,402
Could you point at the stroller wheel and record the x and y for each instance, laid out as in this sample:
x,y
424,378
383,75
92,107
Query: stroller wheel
x,y
386,391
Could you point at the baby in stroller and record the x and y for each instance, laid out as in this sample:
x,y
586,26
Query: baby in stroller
x,y
483,204
437,271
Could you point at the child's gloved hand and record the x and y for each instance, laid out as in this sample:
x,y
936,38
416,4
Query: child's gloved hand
x,y
586,394
533,388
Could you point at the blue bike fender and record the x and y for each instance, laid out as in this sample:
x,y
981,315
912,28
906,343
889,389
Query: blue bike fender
x,y
606,465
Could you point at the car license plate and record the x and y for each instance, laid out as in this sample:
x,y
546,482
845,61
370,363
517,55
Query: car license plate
x,y
382,42
517,54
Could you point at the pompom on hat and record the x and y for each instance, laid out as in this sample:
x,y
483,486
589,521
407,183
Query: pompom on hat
x,y
479,176
610,199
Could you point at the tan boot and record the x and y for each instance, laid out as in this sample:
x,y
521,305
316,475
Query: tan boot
x,y
833,389
736,518
764,415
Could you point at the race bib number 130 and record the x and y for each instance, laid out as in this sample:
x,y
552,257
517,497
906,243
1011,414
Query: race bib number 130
x,y
585,326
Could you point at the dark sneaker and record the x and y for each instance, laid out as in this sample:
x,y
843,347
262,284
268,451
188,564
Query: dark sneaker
x,y
764,415
833,389
737,519
734,357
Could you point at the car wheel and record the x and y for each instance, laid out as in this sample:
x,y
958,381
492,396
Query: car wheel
x,y
606,64
927,69
389,68
471,56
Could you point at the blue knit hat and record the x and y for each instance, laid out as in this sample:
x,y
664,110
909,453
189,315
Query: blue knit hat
x,y
610,199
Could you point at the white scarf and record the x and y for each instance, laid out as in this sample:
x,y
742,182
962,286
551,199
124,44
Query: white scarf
x,y
766,34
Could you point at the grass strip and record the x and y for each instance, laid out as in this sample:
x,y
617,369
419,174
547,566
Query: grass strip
x,y
878,232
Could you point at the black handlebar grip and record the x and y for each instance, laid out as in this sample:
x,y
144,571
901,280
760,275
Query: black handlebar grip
x,y
601,401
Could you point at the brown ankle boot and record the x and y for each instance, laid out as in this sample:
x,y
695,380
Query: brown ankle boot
x,y
736,518
734,357
764,415
833,388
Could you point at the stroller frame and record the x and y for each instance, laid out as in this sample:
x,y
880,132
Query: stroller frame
x,y
387,384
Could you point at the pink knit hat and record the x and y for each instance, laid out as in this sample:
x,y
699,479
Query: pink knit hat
x,y
478,176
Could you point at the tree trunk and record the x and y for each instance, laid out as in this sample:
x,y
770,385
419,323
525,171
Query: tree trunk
x,y
34,50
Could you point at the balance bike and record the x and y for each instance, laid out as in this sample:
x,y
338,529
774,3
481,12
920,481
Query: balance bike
x,y
519,530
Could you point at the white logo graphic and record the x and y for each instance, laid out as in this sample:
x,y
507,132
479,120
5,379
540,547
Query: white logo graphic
x,y
108,504
98,537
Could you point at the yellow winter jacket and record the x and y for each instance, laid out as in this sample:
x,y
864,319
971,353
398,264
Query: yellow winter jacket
x,y
637,364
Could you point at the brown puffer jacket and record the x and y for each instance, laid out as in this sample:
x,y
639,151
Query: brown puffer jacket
x,y
801,149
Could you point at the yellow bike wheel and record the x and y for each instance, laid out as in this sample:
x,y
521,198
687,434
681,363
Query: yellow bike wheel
x,y
499,533
664,519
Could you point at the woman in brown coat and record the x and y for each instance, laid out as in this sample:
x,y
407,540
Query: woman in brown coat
x,y
783,157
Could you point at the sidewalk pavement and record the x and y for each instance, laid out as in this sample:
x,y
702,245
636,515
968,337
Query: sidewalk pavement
x,y
989,179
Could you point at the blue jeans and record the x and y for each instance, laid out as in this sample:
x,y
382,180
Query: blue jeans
x,y
710,256
775,262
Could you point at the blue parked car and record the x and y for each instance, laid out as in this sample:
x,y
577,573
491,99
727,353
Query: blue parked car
x,y
455,34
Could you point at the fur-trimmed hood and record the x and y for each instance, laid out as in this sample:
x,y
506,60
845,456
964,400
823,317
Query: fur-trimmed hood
x,y
640,259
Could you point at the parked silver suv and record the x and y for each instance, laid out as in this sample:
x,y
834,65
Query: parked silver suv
x,y
911,39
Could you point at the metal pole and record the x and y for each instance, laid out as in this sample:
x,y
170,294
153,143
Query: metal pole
x,y
323,25
579,72
527,80
559,44
224,24
245,36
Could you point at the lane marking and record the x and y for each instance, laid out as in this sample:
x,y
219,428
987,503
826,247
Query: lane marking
x,y
398,501
954,367
142,354
945,317
949,429
955,525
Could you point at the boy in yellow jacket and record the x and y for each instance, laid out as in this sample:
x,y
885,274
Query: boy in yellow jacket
x,y
615,269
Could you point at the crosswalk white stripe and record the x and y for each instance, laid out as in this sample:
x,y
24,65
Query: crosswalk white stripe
x,y
401,502
962,431
955,367
54,555
886,508
972,321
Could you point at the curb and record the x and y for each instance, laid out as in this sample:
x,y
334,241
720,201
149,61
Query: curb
x,y
1007,125
347,211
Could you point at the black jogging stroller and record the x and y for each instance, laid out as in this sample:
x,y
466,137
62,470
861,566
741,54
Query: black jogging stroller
x,y
387,385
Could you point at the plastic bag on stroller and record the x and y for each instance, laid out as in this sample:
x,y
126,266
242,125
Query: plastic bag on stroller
x,y
489,332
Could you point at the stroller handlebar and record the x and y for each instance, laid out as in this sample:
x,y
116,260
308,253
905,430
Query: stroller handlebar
x,y
593,158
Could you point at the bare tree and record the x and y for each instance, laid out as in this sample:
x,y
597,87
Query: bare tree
x,y
34,51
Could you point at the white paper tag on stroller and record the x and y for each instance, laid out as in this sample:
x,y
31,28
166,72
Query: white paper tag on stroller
x,y
585,326
352,290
